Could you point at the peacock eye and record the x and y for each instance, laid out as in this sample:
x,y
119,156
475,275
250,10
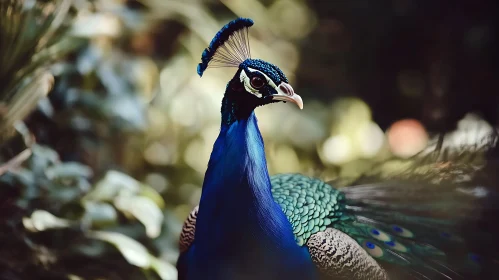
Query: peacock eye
x,y
257,82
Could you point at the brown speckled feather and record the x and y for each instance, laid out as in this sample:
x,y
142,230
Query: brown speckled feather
x,y
338,256
187,234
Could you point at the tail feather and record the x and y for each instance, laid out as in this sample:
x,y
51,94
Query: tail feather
x,y
429,225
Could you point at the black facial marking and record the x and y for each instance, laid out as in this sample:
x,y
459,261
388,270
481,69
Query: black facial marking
x,y
265,89
237,103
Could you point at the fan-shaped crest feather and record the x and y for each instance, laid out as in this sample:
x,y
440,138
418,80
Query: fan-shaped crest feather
x,y
229,48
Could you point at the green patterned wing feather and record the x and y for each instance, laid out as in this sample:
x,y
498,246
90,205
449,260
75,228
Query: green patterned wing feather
x,y
310,204
408,228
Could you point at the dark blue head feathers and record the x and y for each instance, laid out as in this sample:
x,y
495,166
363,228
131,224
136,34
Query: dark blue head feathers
x,y
272,71
229,48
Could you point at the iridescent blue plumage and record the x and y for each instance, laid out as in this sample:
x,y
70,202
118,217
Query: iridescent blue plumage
x,y
271,70
241,233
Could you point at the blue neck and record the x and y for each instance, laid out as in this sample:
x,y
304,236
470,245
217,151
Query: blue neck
x,y
241,233
237,183
236,201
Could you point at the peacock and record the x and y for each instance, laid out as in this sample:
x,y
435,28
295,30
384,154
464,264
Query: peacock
x,y
249,225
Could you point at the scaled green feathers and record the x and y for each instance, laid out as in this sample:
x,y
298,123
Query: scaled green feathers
x,y
310,204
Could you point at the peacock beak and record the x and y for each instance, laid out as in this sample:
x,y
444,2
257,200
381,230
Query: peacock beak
x,y
286,93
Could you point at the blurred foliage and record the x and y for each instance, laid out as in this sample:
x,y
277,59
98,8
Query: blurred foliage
x,y
99,177
58,214
69,221
31,36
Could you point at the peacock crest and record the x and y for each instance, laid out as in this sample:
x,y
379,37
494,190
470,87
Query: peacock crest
x,y
229,48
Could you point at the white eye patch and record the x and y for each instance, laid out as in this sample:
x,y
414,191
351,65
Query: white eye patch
x,y
245,80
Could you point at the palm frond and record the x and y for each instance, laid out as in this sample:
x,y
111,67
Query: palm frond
x,y
32,35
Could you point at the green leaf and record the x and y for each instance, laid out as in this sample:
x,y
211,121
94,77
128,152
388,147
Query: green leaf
x,y
68,170
100,213
111,185
45,152
152,194
42,220
144,210
165,270
134,252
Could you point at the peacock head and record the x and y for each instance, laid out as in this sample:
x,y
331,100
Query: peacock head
x,y
256,81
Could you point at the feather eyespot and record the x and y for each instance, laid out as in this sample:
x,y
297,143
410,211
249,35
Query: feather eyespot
x,y
397,229
373,249
380,235
257,82
396,246
400,231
